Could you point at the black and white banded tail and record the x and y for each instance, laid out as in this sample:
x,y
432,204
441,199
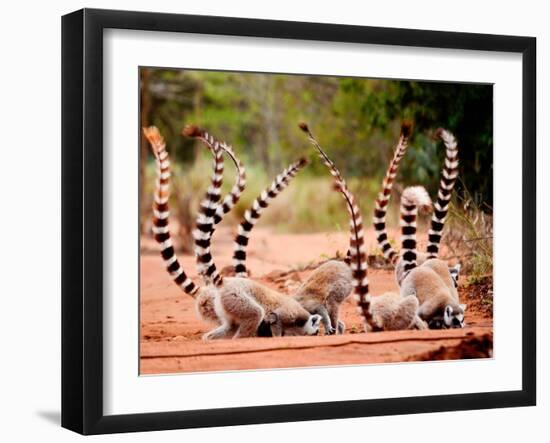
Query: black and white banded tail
x,y
357,257
214,145
381,204
207,210
449,175
203,240
161,212
411,199
252,215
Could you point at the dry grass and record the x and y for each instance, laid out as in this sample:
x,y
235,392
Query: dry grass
x,y
469,237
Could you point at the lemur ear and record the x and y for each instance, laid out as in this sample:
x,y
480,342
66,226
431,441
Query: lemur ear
x,y
463,306
271,318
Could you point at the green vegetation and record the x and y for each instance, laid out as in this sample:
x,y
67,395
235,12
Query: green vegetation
x,y
356,120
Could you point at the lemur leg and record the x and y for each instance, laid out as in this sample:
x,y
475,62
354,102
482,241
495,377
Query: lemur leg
x,y
334,311
428,309
325,318
418,323
249,326
226,330
244,311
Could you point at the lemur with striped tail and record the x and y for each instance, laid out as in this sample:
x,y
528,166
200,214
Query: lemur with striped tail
x,y
389,311
210,212
449,175
431,283
331,282
327,288
393,311
237,305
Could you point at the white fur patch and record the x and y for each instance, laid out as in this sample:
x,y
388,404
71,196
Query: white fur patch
x,y
166,244
214,191
161,215
171,260
451,164
160,200
416,195
160,229
405,223
176,273
204,220
312,325
199,235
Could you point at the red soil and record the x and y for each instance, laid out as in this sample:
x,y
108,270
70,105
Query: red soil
x,y
171,331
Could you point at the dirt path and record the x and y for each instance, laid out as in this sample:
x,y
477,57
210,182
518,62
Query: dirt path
x,y
171,331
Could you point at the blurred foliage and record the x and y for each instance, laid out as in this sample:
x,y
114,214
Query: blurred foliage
x,y
356,121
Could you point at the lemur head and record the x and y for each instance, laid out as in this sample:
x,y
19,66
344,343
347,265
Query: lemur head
x,y
276,325
455,273
452,317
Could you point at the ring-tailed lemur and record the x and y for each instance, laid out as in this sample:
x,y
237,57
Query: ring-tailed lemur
x,y
389,311
210,212
252,215
393,311
238,305
326,288
449,175
431,283
312,294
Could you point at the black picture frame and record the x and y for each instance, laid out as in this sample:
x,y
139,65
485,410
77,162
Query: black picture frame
x,y
82,219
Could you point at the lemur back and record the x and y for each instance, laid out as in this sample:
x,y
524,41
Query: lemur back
x,y
324,291
439,305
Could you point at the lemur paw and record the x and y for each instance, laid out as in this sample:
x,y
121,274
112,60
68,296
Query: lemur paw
x,y
330,331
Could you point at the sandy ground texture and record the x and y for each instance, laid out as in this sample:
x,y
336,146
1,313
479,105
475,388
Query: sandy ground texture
x,y
171,331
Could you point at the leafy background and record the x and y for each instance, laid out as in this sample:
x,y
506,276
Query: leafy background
x,y
356,120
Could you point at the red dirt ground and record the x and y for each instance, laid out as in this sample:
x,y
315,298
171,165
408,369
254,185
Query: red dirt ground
x,y
171,331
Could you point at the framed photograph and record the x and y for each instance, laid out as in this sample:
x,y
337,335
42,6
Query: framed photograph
x,y
269,221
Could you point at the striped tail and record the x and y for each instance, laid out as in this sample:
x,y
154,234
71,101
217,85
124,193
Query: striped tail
x,y
412,198
213,144
357,257
252,215
205,218
381,204
161,212
449,175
